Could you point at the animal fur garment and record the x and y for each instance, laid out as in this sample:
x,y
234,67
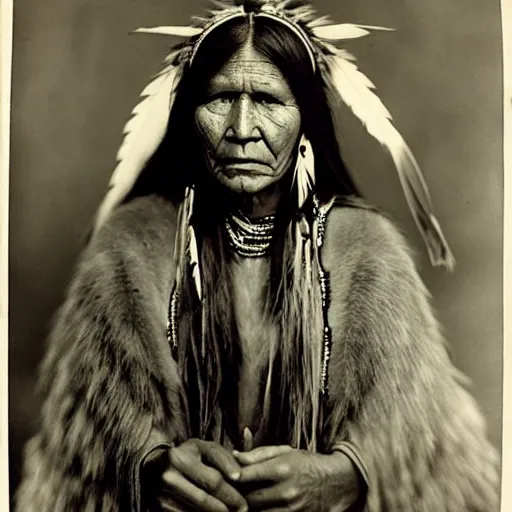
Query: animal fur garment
x,y
110,381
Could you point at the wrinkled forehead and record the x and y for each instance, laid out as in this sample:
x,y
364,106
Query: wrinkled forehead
x,y
248,69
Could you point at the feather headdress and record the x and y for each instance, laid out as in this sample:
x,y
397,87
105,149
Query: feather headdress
x,y
338,70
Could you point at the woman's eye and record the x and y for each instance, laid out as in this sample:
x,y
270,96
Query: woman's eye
x,y
265,99
225,98
220,103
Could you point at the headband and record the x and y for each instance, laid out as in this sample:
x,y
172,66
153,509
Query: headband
x,y
292,27
146,129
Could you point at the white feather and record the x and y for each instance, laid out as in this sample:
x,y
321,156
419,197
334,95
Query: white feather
x,y
171,31
143,133
302,184
189,197
309,160
356,91
194,261
343,31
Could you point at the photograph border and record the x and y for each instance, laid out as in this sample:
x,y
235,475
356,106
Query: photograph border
x,y
6,41
506,474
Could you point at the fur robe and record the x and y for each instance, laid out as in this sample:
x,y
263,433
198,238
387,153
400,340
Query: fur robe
x,y
110,380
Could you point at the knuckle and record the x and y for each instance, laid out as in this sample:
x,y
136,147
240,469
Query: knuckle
x,y
215,482
213,448
174,456
169,477
178,458
290,494
198,443
195,445
189,446
283,469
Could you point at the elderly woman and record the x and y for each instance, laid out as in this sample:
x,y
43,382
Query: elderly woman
x,y
243,331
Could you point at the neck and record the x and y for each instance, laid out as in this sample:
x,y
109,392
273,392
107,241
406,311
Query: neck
x,y
262,203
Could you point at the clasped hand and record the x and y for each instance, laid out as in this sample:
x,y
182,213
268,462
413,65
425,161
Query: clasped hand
x,y
203,475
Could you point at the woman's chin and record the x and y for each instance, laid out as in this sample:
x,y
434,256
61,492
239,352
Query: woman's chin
x,y
247,184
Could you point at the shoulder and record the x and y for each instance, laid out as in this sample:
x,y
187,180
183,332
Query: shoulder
x,y
131,251
359,236
145,220
374,282
140,230
380,310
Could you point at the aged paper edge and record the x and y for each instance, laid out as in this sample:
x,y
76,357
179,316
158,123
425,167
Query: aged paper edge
x,y
6,24
506,489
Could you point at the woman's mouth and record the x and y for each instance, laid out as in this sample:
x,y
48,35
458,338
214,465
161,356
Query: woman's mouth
x,y
237,166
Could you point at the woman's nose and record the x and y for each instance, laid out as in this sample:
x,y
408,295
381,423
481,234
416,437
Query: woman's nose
x,y
242,120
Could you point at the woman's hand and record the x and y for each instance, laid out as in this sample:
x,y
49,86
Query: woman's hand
x,y
200,476
289,479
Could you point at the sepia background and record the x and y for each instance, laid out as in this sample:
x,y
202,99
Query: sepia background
x,y
77,74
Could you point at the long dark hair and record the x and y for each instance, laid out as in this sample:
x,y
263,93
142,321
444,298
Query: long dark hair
x,y
207,334
178,161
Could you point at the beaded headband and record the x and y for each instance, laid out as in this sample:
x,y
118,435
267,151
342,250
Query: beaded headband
x,y
146,129
292,27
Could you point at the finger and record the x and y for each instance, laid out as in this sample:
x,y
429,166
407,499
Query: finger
x,y
248,440
221,459
269,470
277,495
204,476
208,478
169,505
212,481
261,454
188,492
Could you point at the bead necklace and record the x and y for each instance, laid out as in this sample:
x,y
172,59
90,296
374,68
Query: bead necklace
x,y
248,237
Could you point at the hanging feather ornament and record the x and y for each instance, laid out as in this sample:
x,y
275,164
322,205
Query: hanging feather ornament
x,y
186,251
194,261
186,259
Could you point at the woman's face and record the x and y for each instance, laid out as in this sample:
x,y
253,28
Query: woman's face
x,y
249,123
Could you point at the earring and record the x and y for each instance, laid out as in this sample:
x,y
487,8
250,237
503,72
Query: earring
x,y
304,170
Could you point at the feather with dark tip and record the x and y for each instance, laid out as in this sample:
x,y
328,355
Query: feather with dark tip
x,y
356,91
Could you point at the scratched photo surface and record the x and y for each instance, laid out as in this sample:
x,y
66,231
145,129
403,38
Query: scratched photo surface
x,y
78,72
